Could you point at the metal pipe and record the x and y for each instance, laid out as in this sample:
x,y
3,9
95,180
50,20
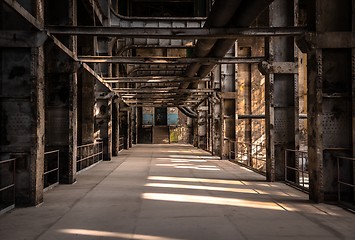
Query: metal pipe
x,y
221,14
247,12
187,111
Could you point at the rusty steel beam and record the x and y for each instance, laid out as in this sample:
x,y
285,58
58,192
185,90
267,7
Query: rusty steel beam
x,y
151,79
176,33
160,96
161,90
155,46
157,100
24,14
168,60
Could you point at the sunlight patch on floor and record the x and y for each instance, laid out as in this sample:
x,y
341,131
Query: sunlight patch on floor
x,y
101,234
211,200
202,180
190,166
197,187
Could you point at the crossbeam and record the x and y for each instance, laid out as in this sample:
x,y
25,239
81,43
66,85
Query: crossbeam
x,y
168,60
153,79
161,90
176,33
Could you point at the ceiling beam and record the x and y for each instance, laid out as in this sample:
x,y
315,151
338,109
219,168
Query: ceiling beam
x,y
161,90
168,60
153,79
24,13
176,33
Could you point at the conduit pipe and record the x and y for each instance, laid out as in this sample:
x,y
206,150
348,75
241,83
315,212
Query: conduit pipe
x,y
221,14
187,111
247,11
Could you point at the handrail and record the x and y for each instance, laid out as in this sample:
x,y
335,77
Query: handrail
x,y
88,155
49,179
344,183
301,174
7,202
248,154
121,143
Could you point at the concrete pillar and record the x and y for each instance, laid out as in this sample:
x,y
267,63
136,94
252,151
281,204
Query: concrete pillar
x,y
330,94
281,92
228,104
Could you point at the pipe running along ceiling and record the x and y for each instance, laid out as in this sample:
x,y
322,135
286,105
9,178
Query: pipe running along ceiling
x,y
227,14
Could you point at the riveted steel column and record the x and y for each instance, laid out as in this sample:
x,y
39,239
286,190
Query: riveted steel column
x,y
281,92
202,111
216,114
86,108
61,92
103,119
104,100
229,103
115,127
73,98
330,96
22,116
353,98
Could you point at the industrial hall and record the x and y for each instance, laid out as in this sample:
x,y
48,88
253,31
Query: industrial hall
x,y
177,119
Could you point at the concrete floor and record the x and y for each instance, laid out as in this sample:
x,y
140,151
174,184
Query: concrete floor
x,y
156,192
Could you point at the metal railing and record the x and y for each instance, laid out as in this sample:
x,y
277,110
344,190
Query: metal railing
x,y
88,155
346,187
121,143
232,150
296,168
252,155
51,169
7,184
247,154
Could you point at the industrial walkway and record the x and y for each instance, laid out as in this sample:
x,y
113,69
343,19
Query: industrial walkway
x,y
156,192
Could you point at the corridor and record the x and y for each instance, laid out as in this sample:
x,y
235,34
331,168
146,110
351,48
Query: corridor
x,y
156,192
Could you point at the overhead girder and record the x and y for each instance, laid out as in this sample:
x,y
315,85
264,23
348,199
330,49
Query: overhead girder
x,y
161,90
150,79
129,46
117,20
241,16
164,29
162,70
176,33
168,60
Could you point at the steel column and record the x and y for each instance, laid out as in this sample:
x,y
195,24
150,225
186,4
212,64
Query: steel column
x,y
281,92
330,99
229,103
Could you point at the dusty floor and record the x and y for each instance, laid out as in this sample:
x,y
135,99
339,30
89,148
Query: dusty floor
x,y
155,192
